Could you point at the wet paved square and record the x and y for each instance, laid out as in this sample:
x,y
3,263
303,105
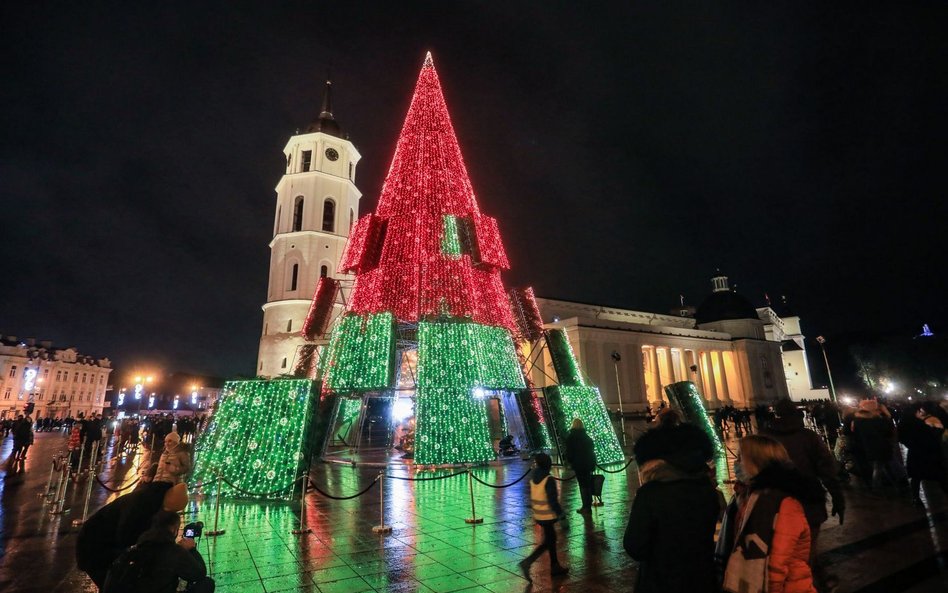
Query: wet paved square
x,y
886,545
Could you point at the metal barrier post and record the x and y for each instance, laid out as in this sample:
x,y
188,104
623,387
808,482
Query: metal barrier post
x,y
49,482
474,519
60,502
82,449
217,508
85,508
382,527
303,529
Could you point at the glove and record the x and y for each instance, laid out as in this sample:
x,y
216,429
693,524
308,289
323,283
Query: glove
x,y
839,508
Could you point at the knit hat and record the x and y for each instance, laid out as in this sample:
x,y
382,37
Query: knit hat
x,y
176,498
174,437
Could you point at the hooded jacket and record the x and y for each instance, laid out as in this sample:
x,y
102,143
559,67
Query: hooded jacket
x,y
168,562
173,465
812,458
671,530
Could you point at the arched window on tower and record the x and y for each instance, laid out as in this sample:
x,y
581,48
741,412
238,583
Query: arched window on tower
x,y
323,271
294,276
329,215
298,214
351,219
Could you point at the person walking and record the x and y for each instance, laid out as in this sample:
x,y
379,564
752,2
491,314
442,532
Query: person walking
x,y
765,539
811,457
672,522
544,500
581,456
922,434
873,433
22,437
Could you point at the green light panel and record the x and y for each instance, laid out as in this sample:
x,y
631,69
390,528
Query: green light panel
x,y
450,240
685,398
360,353
452,427
580,401
468,355
564,361
256,438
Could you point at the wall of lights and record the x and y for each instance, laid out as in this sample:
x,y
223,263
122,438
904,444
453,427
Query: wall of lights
x,y
468,355
581,401
360,354
256,438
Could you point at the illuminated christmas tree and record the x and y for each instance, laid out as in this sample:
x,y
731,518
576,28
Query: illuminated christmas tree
x,y
427,268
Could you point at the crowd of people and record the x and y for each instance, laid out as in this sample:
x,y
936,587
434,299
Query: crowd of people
x,y
791,460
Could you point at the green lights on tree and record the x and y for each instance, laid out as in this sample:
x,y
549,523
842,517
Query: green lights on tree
x,y
360,353
451,240
256,438
469,355
451,427
564,361
584,402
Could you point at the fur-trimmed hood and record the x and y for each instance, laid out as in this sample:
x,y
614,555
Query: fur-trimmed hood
x,y
787,479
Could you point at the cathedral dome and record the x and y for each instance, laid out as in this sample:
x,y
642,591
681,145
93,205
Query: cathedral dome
x,y
724,304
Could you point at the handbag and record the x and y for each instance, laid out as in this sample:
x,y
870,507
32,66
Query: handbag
x,y
597,481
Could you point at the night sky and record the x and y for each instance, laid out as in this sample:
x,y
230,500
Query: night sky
x,y
627,153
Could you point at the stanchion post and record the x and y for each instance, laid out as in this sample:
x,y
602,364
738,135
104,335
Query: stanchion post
x,y
92,473
382,528
474,519
82,449
60,502
49,482
303,529
217,507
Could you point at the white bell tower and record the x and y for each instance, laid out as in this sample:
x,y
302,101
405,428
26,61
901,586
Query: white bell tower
x,y
316,207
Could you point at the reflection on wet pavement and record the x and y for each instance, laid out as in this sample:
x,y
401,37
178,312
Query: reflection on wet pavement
x,y
884,546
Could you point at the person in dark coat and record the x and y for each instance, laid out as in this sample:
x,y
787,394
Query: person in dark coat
x,y
119,524
922,433
581,455
675,511
812,458
165,561
872,432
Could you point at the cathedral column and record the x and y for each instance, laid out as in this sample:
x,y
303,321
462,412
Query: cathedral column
x,y
683,365
725,391
656,377
671,364
640,373
699,373
709,382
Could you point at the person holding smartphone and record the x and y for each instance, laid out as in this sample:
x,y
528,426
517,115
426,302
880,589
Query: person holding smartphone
x,y
157,562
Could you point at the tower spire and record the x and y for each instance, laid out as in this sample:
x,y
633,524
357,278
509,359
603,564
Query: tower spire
x,y
326,122
326,111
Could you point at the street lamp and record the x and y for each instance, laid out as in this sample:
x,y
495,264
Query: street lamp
x,y
829,373
616,357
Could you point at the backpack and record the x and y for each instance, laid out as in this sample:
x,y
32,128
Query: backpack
x,y
132,568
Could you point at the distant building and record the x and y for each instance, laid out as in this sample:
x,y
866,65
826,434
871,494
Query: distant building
x,y
317,203
735,353
175,393
59,382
